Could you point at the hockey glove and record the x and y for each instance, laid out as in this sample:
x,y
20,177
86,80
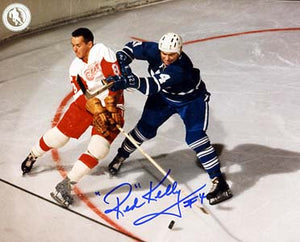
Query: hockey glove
x,y
123,58
115,112
123,82
100,115
126,71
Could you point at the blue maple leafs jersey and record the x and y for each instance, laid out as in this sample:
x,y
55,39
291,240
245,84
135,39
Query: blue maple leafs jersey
x,y
177,82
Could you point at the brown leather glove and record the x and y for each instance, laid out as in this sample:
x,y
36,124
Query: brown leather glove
x,y
100,115
115,112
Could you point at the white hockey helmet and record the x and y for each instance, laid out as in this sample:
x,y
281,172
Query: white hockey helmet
x,y
170,43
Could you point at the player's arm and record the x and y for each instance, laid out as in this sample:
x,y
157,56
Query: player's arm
x,y
114,101
135,50
139,50
146,85
102,62
149,85
76,66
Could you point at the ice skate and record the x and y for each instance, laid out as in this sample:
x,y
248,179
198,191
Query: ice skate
x,y
28,163
62,195
219,191
115,165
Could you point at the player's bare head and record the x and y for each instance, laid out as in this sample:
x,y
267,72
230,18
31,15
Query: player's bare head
x,y
82,42
85,33
170,46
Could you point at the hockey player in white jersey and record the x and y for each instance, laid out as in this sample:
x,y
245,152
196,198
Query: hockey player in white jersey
x,y
93,63
174,86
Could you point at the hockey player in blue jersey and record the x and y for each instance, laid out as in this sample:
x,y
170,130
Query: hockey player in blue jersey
x,y
174,86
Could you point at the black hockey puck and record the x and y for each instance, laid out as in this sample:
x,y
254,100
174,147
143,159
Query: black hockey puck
x,y
171,224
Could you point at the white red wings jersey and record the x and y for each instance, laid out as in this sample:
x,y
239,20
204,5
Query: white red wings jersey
x,y
102,63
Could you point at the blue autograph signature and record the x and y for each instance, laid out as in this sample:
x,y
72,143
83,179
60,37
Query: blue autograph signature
x,y
153,195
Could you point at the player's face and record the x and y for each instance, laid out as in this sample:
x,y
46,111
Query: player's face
x,y
168,58
80,48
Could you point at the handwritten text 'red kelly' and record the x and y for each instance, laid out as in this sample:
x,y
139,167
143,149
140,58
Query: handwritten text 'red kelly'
x,y
120,206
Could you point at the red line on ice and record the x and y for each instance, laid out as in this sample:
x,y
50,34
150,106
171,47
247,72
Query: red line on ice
x,y
232,35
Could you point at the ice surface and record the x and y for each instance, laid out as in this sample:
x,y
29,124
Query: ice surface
x,y
254,123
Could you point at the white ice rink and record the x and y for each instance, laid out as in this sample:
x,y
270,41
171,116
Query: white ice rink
x,y
249,56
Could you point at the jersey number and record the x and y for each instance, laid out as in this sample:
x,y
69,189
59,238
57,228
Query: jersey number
x,y
163,78
116,69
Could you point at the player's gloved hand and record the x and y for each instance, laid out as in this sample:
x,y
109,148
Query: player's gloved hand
x,y
126,71
115,112
100,115
124,60
101,123
123,82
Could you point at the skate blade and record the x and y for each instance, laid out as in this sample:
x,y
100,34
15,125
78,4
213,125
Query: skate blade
x,y
25,172
59,200
222,197
112,172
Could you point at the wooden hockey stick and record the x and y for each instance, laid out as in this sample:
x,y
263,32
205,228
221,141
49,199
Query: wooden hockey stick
x,y
87,93
154,163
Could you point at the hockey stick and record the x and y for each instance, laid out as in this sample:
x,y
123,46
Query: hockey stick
x,y
202,208
154,163
87,93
